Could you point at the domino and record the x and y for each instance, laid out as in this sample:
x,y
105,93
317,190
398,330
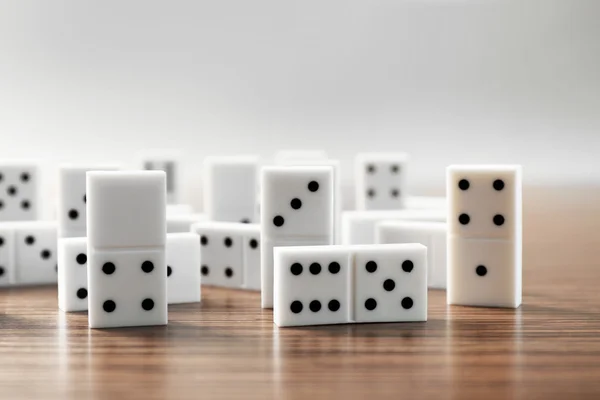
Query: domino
x,y
430,234
72,274
71,205
126,230
35,252
183,268
484,235
297,209
230,254
19,190
380,181
358,227
320,285
337,185
7,254
168,161
231,188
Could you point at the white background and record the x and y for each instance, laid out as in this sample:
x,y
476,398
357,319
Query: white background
x,y
447,81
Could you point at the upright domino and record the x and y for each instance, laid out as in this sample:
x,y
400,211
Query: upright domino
x,y
484,235
337,187
230,254
231,188
316,285
7,254
380,181
429,234
126,230
183,268
19,191
72,274
169,162
28,253
358,227
297,210
71,205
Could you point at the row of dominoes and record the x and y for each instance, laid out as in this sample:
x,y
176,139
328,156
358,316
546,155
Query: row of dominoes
x,y
317,285
231,185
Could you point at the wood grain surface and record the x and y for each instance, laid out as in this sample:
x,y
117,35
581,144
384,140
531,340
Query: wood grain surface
x,y
227,347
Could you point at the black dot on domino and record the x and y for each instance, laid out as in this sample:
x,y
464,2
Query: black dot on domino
x,y
498,220
334,267
228,242
463,184
25,204
82,293
253,243
296,269
45,254
371,266
296,307
108,268
407,266
204,270
313,186
29,240
498,184
228,272
406,303
481,270
73,214
147,266
169,271
333,305
370,304
464,219
81,259
109,306
315,306
389,285
203,240
296,204
148,304
278,221
315,268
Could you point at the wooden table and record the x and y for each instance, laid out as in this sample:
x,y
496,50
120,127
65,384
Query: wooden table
x,y
227,347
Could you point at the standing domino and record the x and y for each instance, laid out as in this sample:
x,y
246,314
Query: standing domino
x,y
429,234
72,199
230,254
169,162
183,268
7,254
231,188
484,235
127,271
297,209
380,181
72,274
19,187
